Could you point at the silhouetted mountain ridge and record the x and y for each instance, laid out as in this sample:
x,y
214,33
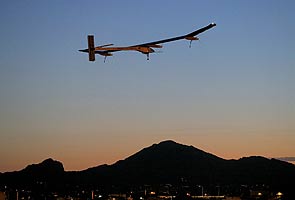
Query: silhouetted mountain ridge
x,y
48,166
49,171
166,162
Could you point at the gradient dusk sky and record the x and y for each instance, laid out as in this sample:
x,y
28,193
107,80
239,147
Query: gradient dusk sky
x,y
232,94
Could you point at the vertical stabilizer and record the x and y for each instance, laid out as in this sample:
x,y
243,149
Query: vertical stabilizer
x,y
91,48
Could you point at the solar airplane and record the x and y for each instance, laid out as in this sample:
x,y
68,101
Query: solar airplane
x,y
145,48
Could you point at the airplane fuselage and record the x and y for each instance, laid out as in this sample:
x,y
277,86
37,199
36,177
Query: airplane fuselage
x,y
141,49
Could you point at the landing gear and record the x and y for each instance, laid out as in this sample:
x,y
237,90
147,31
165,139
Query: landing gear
x,y
104,60
147,56
190,44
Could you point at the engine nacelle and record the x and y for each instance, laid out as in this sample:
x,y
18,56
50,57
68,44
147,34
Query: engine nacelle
x,y
191,38
104,53
144,50
155,46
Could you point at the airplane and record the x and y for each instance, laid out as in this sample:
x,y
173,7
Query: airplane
x,y
145,48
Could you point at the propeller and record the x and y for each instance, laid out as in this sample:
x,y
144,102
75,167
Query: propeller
x,y
190,42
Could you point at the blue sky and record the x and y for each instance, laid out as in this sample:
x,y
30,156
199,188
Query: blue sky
x,y
231,94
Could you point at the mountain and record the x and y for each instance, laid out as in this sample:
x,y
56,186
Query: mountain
x,y
49,171
166,162
48,167
170,162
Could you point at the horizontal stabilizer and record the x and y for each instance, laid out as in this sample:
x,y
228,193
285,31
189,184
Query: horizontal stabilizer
x,y
105,45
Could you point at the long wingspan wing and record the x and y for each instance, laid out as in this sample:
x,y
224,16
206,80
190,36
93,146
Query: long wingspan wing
x,y
201,30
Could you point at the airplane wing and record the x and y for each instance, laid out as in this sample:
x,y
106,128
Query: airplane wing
x,y
189,36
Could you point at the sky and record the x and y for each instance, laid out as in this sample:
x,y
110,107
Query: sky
x,y
230,94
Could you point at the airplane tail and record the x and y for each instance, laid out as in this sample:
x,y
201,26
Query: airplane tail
x,y
91,48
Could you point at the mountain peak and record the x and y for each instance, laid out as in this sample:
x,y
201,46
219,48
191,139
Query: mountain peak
x,y
49,161
170,150
47,166
167,161
168,142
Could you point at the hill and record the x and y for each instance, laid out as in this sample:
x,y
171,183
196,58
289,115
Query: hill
x,y
166,162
